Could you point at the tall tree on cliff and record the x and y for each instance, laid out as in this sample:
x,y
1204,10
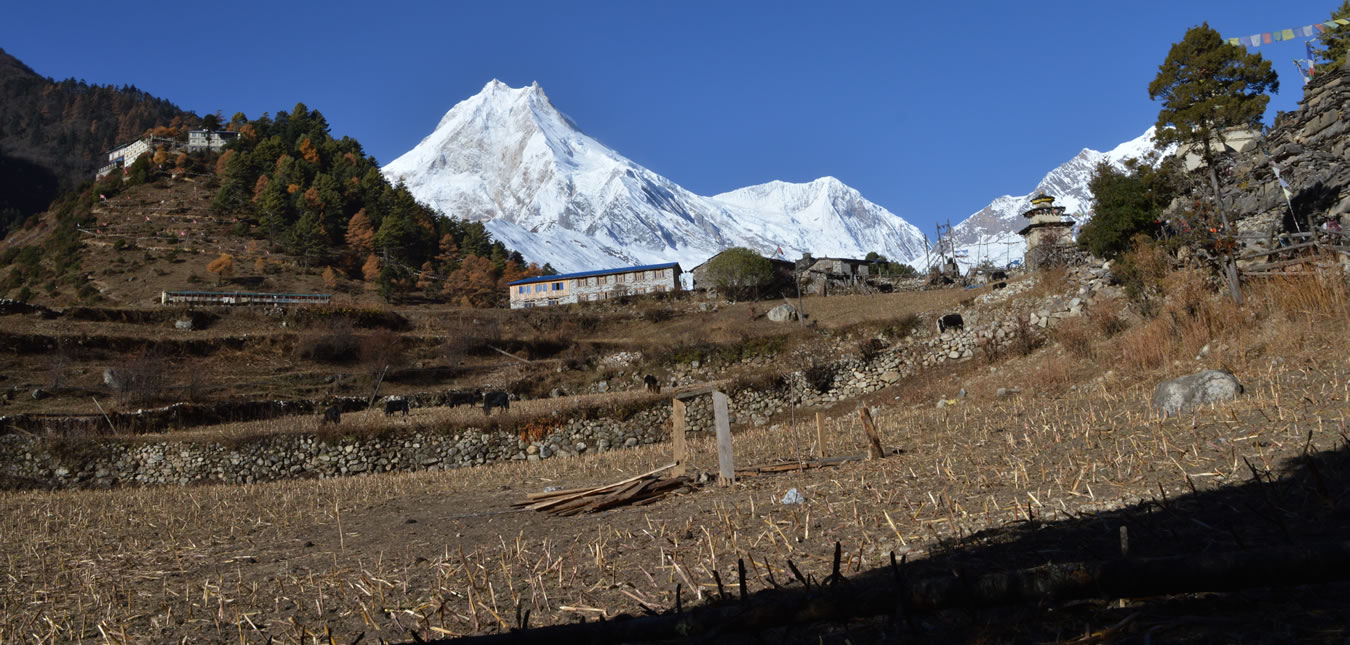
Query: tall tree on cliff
x,y
1208,87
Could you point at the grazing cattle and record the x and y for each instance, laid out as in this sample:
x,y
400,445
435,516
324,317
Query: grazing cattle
x,y
998,275
1000,285
395,404
495,400
950,321
331,415
456,398
652,384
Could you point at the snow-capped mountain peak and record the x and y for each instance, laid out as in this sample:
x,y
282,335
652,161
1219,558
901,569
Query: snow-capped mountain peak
x,y
509,158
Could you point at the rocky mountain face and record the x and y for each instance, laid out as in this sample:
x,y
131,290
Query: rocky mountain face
x,y
1309,147
991,232
509,158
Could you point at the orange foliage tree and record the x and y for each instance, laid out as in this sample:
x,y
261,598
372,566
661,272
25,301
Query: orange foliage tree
x,y
330,277
371,269
360,234
473,284
222,266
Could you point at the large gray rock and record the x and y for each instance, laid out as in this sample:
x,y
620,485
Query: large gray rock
x,y
1183,393
782,313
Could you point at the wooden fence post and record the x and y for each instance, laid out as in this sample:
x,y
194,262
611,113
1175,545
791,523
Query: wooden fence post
x,y
821,452
726,465
873,441
678,422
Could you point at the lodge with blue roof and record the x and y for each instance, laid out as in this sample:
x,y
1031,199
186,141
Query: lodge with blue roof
x,y
594,286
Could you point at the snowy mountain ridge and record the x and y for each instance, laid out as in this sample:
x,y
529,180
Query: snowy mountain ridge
x,y
509,158
991,232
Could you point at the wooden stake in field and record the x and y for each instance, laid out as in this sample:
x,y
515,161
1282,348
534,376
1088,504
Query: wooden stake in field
x,y
726,465
821,451
873,440
677,427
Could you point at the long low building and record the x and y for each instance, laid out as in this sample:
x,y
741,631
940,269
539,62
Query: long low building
x,y
594,286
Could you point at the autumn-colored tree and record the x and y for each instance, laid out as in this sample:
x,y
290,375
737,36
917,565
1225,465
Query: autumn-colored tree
x,y
330,277
473,284
449,251
259,265
311,197
180,160
222,266
248,132
223,162
292,188
360,234
370,271
308,151
259,186
426,275
510,273
161,156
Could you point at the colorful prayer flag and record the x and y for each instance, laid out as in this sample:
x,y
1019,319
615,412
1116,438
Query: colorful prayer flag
x,y
1265,38
1308,30
1288,34
1256,40
1342,22
1232,41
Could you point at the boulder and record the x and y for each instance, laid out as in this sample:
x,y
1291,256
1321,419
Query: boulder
x,y
782,313
1184,393
184,325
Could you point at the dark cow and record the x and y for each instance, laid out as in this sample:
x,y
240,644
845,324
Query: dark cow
x,y
653,385
331,415
455,398
1000,285
495,400
950,321
393,405
998,275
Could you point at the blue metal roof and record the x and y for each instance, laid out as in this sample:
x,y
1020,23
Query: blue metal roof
x,y
587,274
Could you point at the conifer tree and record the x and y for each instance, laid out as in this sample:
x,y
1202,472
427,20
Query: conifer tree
x,y
360,235
370,271
1207,87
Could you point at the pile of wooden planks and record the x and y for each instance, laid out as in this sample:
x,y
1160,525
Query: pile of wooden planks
x,y
642,489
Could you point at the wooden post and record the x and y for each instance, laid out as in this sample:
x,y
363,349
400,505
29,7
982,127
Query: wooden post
x,y
821,452
873,441
678,421
726,465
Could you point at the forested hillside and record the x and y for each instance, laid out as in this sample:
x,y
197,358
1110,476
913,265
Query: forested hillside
x,y
53,134
324,200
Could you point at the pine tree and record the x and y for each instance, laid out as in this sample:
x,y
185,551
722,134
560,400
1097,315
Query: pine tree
x,y
1334,42
1208,87
330,277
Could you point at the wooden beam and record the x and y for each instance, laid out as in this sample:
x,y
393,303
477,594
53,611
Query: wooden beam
x,y
726,464
678,423
821,451
508,354
873,440
590,491
703,389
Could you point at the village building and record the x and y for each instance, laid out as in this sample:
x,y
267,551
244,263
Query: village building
x,y
1048,234
823,276
215,141
594,286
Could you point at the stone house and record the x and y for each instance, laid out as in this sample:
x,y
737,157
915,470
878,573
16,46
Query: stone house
x,y
593,286
823,276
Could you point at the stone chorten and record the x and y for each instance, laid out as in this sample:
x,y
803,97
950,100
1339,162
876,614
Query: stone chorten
x,y
1047,228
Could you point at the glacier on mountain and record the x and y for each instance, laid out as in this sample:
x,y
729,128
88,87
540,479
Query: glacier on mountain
x,y
509,158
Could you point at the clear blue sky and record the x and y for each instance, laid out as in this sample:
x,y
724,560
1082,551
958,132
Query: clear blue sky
x,y
930,110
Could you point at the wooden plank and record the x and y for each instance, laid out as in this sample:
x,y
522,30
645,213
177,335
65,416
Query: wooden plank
x,y
705,389
557,493
678,421
873,440
1278,249
726,465
566,498
821,451
1281,263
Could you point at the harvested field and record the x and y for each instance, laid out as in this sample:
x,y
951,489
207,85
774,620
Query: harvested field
x,y
1053,474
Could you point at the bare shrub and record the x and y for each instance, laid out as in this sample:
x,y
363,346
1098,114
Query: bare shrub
x,y
1107,319
870,348
1050,282
335,342
141,379
1077,337
381,350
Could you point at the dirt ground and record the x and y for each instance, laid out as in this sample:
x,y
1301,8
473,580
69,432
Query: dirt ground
x,y
986,485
